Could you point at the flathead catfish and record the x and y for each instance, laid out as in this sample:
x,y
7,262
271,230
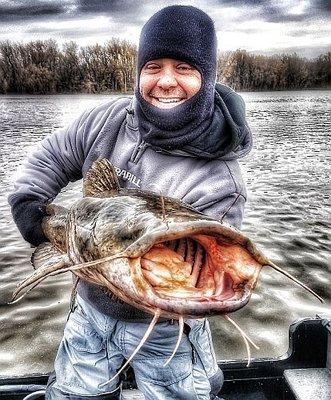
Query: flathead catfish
x,y
154,252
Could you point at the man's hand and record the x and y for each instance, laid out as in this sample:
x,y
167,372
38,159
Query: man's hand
x,y
28,214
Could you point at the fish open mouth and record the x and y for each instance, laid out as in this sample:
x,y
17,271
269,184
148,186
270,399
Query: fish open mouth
x,y
200,267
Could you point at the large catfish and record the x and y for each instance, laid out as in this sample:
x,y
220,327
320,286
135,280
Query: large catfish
x,y
154,252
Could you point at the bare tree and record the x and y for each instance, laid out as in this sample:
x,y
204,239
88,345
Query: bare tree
x,y
41,67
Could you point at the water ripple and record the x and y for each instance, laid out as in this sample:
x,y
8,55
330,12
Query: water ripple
x,y
287,215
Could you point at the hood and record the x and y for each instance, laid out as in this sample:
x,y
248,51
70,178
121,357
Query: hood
x,y
223,135
230,136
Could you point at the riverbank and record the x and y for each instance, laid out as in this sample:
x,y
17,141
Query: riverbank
x,y
130,93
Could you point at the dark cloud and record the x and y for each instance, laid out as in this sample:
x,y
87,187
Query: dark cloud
x,y
123,11
322,5
11,11
278,15
101,6
303,51
134,11
270,11
128,11
240,2
321,33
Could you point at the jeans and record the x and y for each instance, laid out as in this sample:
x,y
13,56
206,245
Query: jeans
x,y
95,345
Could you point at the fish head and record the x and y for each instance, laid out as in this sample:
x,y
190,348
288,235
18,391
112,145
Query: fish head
x,y
154,252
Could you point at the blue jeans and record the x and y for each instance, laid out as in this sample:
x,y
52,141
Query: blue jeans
x,y
95,345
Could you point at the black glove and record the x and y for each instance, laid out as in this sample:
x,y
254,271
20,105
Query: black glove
x,y
28,214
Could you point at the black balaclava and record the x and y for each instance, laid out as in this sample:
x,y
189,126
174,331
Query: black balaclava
x,y
187,34
202,125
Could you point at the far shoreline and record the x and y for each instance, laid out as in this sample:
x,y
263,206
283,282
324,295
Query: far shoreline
x,y
117,93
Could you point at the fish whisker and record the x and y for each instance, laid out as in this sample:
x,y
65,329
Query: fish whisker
x,y
93,263
246,338
36,276
141,343
164,215
53,270
34,284
294,279
241,330
180,335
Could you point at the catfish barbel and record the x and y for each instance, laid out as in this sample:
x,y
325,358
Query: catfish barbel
x,y
153,252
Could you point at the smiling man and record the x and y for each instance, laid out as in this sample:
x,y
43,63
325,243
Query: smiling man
x,y
180,135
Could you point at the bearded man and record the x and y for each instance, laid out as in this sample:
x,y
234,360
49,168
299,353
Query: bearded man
x,y
180,135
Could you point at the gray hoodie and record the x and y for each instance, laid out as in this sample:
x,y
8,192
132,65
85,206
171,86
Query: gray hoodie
x,y
110,131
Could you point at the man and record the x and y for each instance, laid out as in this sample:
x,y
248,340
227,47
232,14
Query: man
x,y
180,135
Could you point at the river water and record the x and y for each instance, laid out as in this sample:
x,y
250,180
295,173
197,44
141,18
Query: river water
x,y
287,215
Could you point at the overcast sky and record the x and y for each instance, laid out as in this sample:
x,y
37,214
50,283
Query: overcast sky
x,y
265,27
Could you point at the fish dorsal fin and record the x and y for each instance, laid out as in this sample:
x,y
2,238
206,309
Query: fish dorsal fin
x,y
100,178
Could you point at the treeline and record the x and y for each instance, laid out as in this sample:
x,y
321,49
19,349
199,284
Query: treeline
x,y
41,67
244,71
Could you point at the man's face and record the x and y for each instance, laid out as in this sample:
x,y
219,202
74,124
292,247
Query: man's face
x,y
166,83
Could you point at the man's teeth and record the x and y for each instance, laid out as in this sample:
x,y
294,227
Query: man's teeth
x,y
168,100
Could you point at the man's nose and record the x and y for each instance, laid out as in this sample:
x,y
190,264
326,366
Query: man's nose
x,y
167,79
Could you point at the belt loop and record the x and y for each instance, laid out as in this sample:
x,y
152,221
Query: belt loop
x,y
194,355
73,304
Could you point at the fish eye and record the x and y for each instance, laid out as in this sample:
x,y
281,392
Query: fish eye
x,y
130,224
127,236
130,231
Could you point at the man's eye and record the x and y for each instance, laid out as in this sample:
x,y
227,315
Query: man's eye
x,y
152,67
184,67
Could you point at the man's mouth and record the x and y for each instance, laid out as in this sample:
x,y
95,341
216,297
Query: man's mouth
x,y
167,101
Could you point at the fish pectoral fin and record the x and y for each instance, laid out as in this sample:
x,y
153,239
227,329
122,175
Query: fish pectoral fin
x,y
46,254
48,261
100,178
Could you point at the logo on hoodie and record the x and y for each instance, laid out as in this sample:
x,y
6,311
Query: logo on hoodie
x,y
128,176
